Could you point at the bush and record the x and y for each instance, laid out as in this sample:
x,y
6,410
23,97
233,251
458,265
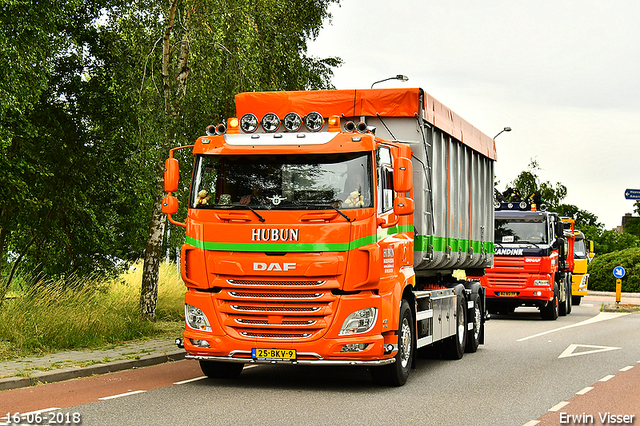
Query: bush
x,y
601,270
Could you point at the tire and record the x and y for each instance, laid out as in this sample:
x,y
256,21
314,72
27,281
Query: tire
x,y
473,336
221,370
396,374
550,312
575,300
453,347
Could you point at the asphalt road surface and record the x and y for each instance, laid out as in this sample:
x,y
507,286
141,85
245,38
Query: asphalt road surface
x,y
527,367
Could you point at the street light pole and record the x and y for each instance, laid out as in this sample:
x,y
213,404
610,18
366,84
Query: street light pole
x,y
397,77
506,129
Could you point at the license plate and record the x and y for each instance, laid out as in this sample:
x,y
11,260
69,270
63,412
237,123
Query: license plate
x,y
273,354
508,293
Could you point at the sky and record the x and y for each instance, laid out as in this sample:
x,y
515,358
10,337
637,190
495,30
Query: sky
x,y
563,74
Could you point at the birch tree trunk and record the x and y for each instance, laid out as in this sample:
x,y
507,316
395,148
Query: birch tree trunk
x,y
153,250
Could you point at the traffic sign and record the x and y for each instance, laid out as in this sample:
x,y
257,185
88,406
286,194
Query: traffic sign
x,y
618,272
632,194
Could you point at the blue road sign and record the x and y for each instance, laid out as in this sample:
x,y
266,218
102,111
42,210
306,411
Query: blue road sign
x,y
618,272
632,194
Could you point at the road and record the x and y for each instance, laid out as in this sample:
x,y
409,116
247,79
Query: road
x,y
526,367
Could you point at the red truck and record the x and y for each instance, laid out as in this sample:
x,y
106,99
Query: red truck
x,y
533,260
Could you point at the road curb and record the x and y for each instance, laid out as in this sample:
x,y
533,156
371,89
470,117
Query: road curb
x,y
75,372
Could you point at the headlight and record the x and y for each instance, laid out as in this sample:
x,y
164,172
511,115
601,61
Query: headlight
x,y
249,123
314,121
195,318
270,122
540,282
292,122
359,322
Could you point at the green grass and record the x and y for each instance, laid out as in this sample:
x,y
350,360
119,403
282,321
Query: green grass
x,y
87,313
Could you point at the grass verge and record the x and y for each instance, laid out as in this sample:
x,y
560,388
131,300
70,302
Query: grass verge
x,y
87,313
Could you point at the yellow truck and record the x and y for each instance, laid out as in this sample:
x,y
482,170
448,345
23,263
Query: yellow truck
x,y
583,253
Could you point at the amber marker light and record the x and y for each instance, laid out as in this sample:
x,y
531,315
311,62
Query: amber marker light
x,y
334,123
233,126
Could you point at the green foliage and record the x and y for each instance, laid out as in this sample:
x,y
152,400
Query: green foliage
x,y
601,270
83,119
612,241
527,183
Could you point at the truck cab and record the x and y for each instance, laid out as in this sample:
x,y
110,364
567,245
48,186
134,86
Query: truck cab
x,y
533,261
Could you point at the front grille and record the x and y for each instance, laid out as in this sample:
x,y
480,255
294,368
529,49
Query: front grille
x,y
291,314
314,283
275,295
274,335
507,280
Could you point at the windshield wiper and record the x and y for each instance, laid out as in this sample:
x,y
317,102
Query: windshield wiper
x,y
244,206
333,207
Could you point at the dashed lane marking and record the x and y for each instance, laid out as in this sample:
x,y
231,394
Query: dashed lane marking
x,y
558,407
190,380
606,378
627,368
585,390
121,395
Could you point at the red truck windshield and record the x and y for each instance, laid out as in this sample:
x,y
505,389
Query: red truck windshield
x,y
283,181
520,231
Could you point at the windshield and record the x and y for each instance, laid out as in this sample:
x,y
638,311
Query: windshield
x,y
579,249
512,231
282,181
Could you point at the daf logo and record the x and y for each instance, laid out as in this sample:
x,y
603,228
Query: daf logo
x,y
260,266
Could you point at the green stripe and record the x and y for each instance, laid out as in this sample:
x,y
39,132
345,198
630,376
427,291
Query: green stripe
x,y
422,243
272,247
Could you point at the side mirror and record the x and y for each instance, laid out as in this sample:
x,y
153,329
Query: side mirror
x,y
171,175
169,205
403,175
403,206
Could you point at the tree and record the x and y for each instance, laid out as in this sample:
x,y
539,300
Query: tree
x,y
527,183
211,50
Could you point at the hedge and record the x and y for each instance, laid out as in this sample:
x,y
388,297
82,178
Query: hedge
x,y
601,271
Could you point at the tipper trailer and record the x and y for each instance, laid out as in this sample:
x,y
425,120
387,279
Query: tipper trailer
x,y
324,227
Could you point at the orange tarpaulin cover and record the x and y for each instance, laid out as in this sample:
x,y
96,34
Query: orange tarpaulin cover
x,y
367,102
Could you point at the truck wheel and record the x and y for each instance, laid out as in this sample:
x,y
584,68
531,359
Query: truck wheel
x,y
453,347
550,312
221,370
396,374
473,336
575,300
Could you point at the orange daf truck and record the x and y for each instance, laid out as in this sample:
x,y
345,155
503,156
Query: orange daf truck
x,y
533,259
323,228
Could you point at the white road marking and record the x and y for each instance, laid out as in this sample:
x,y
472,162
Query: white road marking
x,y
531,423
121,395
602,316
558,407
627,368
190,380
606,378
585,390
595,349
